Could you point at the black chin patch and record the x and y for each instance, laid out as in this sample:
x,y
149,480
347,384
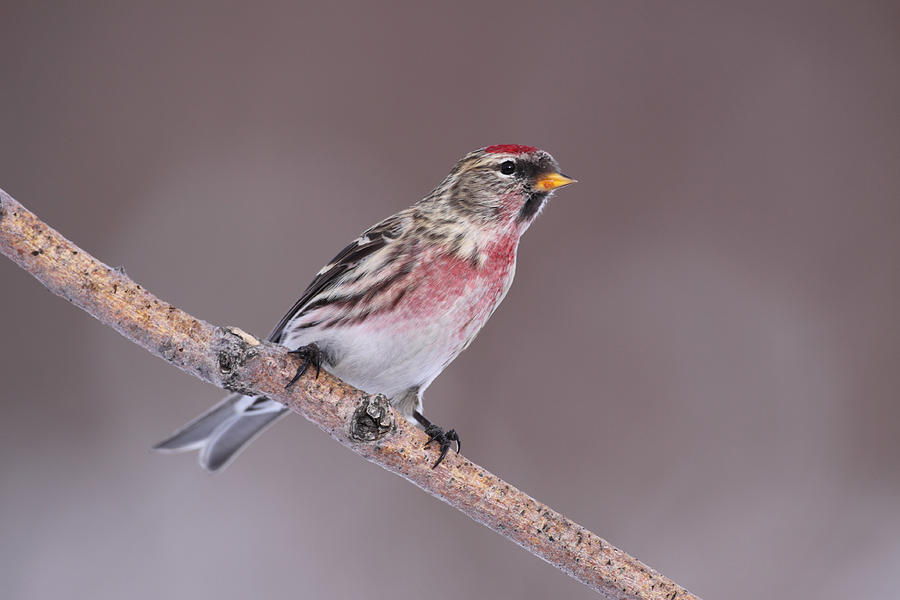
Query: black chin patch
x,y
532,205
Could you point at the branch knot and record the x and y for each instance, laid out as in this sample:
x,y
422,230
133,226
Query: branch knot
x,y
372,419
233,348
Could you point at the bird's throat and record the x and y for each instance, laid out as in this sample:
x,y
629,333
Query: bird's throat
x,y
534,202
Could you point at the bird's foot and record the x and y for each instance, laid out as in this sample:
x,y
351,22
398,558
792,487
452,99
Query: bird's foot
x,y
310,356
437,434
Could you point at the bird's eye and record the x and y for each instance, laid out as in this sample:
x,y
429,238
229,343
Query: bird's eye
x,y
507,167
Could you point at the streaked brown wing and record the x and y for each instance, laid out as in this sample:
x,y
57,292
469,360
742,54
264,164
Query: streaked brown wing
x,y
372,240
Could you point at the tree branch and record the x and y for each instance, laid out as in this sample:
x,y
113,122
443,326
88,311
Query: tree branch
x,y
365,423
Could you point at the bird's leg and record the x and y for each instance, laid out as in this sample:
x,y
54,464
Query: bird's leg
x,y
437,434
311,356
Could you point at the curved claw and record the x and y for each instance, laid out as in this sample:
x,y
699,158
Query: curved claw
x,y
436,434
444,447
311,355
453,436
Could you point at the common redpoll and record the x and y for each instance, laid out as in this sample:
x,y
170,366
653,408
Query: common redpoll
x,y
397,305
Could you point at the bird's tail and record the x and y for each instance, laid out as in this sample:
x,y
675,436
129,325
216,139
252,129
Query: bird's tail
x,y
224,430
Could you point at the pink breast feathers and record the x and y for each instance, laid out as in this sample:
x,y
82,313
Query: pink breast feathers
x,y
460,292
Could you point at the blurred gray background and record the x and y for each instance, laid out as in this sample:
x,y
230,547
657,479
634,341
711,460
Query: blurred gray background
x,y
698,359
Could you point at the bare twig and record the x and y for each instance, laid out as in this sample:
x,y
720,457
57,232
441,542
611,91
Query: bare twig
x,y
234,360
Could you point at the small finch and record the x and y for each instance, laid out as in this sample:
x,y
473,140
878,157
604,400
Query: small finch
x,y
397,305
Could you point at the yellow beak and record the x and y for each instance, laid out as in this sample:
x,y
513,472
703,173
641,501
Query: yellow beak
x,y
551,181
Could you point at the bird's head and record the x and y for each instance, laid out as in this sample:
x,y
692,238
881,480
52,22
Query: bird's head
x,y
504,184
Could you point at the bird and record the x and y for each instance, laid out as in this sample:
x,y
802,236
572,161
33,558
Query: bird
x,y
398,304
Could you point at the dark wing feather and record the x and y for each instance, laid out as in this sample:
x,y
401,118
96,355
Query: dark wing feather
x,y
372,240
